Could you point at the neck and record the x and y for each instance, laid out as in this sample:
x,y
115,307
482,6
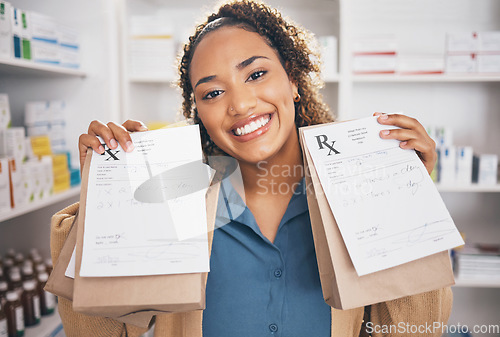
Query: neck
x,y
278,174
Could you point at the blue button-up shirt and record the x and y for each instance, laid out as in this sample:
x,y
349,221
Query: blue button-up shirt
x,y
258,288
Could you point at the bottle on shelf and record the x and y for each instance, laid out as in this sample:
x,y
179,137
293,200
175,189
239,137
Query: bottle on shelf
x,y
40,268
15,281
11,253
3,322
15,315
19,259
27,273
31,303
7,264
2,275
4,287
48,264
47,300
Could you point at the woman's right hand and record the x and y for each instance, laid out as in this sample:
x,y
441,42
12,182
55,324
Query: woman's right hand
x,y
112,134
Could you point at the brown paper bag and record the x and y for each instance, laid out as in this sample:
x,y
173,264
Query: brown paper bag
x,y
58,283
118,297
341,285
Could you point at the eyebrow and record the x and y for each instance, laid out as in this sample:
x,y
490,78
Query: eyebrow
x,y
239,66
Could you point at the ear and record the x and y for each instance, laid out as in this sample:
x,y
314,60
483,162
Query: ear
x,y
295,88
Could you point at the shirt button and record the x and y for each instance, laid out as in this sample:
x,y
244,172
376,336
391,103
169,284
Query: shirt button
x,y
273,328
278,273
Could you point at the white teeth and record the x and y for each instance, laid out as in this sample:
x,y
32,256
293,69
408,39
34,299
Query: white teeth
x,y
252,126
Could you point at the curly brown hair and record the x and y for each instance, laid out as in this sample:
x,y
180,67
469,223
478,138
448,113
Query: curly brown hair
x,y
294,47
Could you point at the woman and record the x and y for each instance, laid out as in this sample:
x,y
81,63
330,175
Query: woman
x,y
246,80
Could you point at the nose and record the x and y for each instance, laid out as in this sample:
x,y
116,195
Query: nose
x,y
243,100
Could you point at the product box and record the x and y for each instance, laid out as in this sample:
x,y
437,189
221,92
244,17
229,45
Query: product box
x,y
5,121
26,35
375,54
15,183
41,146
488,41
464,165
69,46
5,30
37,113
462,42
60,169
443,136
420,64
47,177
461,63
57,112
45,48
12,143
328,57
16,31
5,203
447,164
488,63
487,169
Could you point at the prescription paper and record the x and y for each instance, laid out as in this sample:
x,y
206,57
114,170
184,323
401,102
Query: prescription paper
x,y
388,210
145,210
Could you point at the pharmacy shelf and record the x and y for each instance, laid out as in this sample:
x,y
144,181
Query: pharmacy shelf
x,y
15,67
50,326
61,196
471,283
440,78
468,188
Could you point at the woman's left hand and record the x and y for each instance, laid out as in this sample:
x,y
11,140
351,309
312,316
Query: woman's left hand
x,y
412,136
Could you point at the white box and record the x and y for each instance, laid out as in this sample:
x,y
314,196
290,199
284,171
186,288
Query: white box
x,y
37,113
447,165
488,63
489,41
464,165
69,46
374,64
420,64
38,130
443,136
57,112
4,185
12,143
5,30
460,63
375,44
16,31
44,52
462,42
488,169
47,177
43,28
328,57
5,120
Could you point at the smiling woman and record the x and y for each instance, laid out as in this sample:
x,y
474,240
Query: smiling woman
x,y
248,79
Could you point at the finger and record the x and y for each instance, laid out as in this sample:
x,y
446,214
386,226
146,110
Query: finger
x,y
133,125
426,152
400,134
98,128
377,113
84,142
122,136
401,121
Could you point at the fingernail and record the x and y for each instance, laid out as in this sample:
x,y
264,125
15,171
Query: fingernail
x,y
402,144
113,143
386,132
129,146
384,116
101,149
143,128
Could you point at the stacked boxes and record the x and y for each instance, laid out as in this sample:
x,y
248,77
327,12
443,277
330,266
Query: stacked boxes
x,y
61,173
473,52
329,57
34,36
47,118
375,55
4,185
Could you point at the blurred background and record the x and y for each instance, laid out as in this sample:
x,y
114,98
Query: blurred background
x,y
66,63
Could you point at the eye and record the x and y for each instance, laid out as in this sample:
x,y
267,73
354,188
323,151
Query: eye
x,y
213,94
256,75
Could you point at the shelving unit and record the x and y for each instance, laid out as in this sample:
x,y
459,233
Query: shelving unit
x,y
15,67
24,209
428,78
477,283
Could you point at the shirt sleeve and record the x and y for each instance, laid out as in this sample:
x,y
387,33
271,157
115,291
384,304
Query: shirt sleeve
x,y
419,315
77,324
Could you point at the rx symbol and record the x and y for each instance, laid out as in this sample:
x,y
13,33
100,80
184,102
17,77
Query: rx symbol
x,y
323,140
110,153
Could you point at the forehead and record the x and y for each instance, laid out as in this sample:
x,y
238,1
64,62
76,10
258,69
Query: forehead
x,y
225,47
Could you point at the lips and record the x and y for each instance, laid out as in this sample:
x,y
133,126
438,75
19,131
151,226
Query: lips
x,y
252,127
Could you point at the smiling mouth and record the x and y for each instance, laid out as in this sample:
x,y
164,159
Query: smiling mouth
x,y
252,126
